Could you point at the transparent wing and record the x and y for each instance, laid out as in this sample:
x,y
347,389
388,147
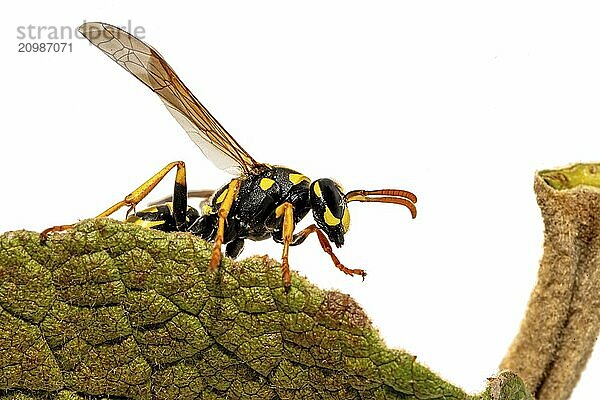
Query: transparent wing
x,y
149,66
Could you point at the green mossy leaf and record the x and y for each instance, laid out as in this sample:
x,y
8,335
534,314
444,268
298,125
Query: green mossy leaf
x,y
112,309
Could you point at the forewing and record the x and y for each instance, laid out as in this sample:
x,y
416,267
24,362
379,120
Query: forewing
x,y
146,64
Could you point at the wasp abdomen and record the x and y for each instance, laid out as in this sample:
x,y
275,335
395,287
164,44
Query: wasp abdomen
x,y
161,217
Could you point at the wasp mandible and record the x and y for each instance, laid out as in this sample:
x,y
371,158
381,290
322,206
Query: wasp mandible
x,y
263,201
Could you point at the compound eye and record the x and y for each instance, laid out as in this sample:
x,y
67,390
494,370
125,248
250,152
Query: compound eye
x,y
329,209
332,220
328,192
329,218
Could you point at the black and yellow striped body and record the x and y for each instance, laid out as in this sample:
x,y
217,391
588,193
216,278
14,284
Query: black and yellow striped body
x,y
252,214
262,201
160,217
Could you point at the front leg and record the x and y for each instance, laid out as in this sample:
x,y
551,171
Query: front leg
x,y
326,246
287,211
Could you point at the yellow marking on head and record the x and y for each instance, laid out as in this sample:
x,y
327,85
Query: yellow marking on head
x,y
222,196
346,220
150,210
297,178
317,189
206,209
266,183
330,219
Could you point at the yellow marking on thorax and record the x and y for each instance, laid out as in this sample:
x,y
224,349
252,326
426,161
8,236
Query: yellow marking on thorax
x,y
266,183
317,189
330,219
222,196
297,178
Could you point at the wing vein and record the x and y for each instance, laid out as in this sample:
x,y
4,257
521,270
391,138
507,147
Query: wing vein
x,y
149,67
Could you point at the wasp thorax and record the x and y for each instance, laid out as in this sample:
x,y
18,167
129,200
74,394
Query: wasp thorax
x,y
330,209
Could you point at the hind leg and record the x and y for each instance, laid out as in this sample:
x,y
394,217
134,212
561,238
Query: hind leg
x,y
133,198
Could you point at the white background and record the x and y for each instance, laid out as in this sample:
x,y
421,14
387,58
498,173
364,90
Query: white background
x,y
459,103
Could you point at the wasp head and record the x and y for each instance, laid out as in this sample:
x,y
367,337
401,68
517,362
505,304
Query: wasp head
x,y
330,210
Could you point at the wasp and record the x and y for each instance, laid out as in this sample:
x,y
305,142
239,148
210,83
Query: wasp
x,y
262,201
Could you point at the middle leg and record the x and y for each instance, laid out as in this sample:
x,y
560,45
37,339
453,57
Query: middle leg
x,y
224,209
